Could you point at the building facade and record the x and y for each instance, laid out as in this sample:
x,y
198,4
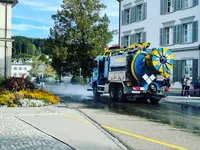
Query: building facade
x,y
5,36
21,68
174,24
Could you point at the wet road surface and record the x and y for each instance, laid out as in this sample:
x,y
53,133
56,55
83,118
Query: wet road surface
x,y
174,115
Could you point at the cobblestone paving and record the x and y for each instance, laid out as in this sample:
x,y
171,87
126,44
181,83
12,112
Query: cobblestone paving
x,y
17,135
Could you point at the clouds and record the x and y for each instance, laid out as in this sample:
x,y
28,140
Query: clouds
x,y
112,9
33,17
41,5
25,27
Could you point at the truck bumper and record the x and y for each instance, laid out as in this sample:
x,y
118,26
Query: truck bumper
x,y
144,94
148,95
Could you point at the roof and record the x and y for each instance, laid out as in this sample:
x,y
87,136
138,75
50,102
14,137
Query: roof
x,y
13,2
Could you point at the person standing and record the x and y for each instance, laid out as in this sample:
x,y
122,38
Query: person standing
x,y
187,88
183,85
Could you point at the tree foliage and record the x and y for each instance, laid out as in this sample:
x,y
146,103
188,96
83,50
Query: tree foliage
x,y
80,33
28,46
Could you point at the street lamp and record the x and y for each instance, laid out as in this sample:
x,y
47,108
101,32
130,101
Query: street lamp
x,y
80,74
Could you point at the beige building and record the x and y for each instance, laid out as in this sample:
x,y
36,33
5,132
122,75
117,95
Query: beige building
x,y
5,36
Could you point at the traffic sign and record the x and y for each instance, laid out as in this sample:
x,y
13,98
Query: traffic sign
x,y
42,67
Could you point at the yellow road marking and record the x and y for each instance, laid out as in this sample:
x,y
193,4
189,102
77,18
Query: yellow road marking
x,y
75,118
144,138
129,134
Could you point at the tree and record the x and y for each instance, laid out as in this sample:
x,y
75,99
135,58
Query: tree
x,y
49,71
81,31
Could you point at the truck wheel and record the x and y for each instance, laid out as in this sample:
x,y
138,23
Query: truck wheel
x,y
154,101
120,94
112,93
95,92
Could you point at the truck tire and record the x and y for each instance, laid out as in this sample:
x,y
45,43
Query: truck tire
x,y
154,101
120,94
95,92
112,93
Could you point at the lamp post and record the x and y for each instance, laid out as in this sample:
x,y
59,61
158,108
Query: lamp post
x,y
80,74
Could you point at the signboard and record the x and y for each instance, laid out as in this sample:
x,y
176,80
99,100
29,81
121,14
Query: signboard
x,y
42,67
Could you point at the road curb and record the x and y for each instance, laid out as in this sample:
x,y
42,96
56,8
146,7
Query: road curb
x,y
182,97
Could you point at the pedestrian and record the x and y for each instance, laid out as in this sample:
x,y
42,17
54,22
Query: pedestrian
x,y
196,86
183,85
187,88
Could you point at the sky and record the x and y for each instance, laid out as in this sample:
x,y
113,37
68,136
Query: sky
x,y
32,18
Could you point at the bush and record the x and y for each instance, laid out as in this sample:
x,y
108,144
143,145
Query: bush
x,y
16,84
78,80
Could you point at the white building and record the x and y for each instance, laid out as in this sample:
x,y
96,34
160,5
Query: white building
x,y
164,23
20,68
5,36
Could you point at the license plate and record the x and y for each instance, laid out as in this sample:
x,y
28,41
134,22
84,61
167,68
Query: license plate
x,y
135,92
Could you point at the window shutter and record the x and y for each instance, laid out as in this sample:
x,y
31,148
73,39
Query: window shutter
x,y
175,4
175,35
161,36
133,14
144,37
165,6
175,71
136,13
123,17
178,4
195,2
195,31
180,70
195,69
131,40
161,7
122,41
181,34
145,11
164,37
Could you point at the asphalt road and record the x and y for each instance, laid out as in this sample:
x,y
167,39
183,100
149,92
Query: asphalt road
x,y
80,122
138,125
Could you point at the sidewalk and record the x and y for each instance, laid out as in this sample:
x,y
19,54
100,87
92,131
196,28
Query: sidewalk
x,y
177,92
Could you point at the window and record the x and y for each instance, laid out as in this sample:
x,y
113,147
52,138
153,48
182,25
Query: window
x,y
169,35
20,68
126,16
187,32
169,6
187,68
175,5
139,12
127,40
138,37
25,68
15,68
187,3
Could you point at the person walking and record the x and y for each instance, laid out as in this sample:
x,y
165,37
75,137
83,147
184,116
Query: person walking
x,y
183,85
187,88
196,86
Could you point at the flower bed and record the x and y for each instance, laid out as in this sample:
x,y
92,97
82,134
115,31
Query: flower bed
x,y
15,99
21,92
